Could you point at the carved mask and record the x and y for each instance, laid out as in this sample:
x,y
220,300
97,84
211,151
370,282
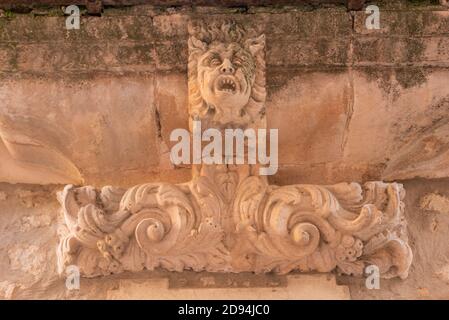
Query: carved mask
x,y
226,76
223,72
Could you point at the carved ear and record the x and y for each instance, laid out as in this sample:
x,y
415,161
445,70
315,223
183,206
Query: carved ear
x,y
195,44
256,44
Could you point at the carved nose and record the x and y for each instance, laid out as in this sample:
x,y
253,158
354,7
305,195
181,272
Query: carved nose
x,y
227,67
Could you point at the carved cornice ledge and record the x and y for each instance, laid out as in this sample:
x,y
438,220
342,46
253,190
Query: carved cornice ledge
x,y
228,218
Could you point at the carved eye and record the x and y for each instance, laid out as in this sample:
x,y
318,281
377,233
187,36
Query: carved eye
x,y
215,62
237,62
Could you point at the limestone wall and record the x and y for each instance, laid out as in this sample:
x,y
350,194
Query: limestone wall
x,y
350,103
97,106
29,223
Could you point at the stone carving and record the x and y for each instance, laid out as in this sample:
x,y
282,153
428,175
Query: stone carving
x,y
226,76
228,218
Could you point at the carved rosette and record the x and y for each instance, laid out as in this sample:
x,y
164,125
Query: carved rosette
x,y
229,219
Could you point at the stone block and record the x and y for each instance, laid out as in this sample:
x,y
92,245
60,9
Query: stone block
x,y
98,126
310,112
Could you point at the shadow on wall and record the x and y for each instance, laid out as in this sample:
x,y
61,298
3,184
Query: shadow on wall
x,y
425,152
29,153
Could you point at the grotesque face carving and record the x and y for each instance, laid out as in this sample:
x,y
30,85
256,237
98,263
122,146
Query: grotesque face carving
x,y
226,75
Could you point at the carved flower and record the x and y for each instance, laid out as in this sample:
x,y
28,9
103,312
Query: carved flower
x,y
115,244
103,248
111,247
349,249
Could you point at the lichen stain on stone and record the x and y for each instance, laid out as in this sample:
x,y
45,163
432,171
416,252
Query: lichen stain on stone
x,y
381,75
411,77
414,50
435,115
423,2
435,202
279,79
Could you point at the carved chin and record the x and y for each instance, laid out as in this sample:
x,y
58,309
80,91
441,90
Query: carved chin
x,y
225,99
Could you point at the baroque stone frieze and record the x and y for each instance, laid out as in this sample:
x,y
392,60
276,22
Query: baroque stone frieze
x,y
228,218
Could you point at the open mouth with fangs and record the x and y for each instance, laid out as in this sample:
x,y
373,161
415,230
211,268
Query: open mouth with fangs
x,y
226,84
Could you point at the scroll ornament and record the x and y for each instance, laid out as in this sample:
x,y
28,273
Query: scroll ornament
x,y
228,218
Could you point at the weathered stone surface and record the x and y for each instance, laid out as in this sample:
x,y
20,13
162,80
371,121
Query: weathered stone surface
x,y
325,23
299,287
77,57
373,51
44,283
428,233
98,105
308,52
171,101
142,54
227,218
44,29
317,106
435,202
83,125
409,117
397,23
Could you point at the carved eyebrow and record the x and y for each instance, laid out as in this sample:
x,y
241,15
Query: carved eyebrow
x,y
239,55
209,57
213,54
242,55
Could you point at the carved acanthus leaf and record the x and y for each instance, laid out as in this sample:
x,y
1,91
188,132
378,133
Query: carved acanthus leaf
x,y
229,219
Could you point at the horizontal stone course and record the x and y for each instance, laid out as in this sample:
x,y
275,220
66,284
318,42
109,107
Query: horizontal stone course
x,y
336,84
26,28
74,56
405,23
391,50
159,41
